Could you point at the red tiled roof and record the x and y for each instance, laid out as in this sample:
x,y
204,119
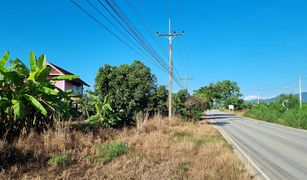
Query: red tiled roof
x,y
65,72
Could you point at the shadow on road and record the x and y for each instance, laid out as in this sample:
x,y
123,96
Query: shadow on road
x,y
218,123
220,116
217,119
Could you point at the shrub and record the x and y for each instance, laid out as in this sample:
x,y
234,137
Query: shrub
x,y
284,110
60,160
157,103
112,150
189,107
128,88
104,113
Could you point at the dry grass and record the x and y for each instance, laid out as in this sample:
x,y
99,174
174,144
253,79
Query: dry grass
x,y
158,150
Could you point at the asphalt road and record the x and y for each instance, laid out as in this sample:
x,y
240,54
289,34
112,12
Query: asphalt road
x,y
274,151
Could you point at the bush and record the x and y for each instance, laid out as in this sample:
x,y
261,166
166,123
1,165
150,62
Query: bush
x,y
284,110
296,118
60,160
104,113
128,88
111,150
195,107
157,102
188,107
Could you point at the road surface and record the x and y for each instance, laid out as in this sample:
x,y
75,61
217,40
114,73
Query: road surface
x,y
273,151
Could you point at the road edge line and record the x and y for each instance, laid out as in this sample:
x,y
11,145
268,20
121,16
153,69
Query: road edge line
x,y
226,136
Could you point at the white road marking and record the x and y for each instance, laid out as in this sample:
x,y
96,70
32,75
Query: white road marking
x,y
246,156
283,137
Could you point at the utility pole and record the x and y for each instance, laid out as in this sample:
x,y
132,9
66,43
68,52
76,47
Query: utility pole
x,y
186,79
258,97
300,90
170,36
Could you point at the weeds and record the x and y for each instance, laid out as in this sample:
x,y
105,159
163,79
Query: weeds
x,y
60,160
183,167
111,150
198,140
89,158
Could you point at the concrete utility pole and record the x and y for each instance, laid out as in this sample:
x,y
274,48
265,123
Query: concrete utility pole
x,y
186,79
170,36
258,97
300,90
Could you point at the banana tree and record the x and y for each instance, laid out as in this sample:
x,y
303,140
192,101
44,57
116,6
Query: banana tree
x,y
104,114
27,96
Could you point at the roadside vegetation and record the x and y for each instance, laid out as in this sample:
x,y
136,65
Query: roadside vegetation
x,y
155,150
221,94
28,99
285,111
116,131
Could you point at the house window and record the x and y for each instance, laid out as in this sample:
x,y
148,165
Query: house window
x,y
76,89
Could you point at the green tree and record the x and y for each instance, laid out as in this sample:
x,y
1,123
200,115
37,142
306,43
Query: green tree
x,y
128,88
221,93
286,101
158,101
179,103
195,107
188,107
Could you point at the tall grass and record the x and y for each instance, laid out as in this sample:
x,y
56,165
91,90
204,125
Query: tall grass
x,y
156,150
294,117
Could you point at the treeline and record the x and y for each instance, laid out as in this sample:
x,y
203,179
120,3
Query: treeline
x,y
131,89
221,94
31,101
285,110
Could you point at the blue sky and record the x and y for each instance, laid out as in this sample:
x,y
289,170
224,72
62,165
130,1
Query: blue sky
x,y
261,44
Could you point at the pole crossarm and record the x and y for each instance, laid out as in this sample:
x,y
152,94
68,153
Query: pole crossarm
x,y
186,79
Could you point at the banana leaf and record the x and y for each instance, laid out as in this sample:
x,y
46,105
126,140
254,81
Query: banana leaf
x,y
36,104
65,77
33,65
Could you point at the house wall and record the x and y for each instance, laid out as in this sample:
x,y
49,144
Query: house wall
x,y
60,84
77,89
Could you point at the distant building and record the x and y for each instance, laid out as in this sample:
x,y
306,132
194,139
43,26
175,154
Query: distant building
x,y
76,85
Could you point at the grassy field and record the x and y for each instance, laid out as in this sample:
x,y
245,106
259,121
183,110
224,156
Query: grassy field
x,y
296,118
154,150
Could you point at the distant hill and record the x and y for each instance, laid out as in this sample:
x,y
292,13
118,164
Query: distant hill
x,y
304,98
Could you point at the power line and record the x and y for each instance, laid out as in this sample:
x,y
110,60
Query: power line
x,y
133,35
133,29
180,43
153,57
148,58
98,22
186,79
155,40
133,8
136,33
107,29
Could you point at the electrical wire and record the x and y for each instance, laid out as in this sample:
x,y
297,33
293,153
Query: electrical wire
x,y
154,57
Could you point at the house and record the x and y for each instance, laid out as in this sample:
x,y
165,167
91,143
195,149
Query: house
x,y
76,85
